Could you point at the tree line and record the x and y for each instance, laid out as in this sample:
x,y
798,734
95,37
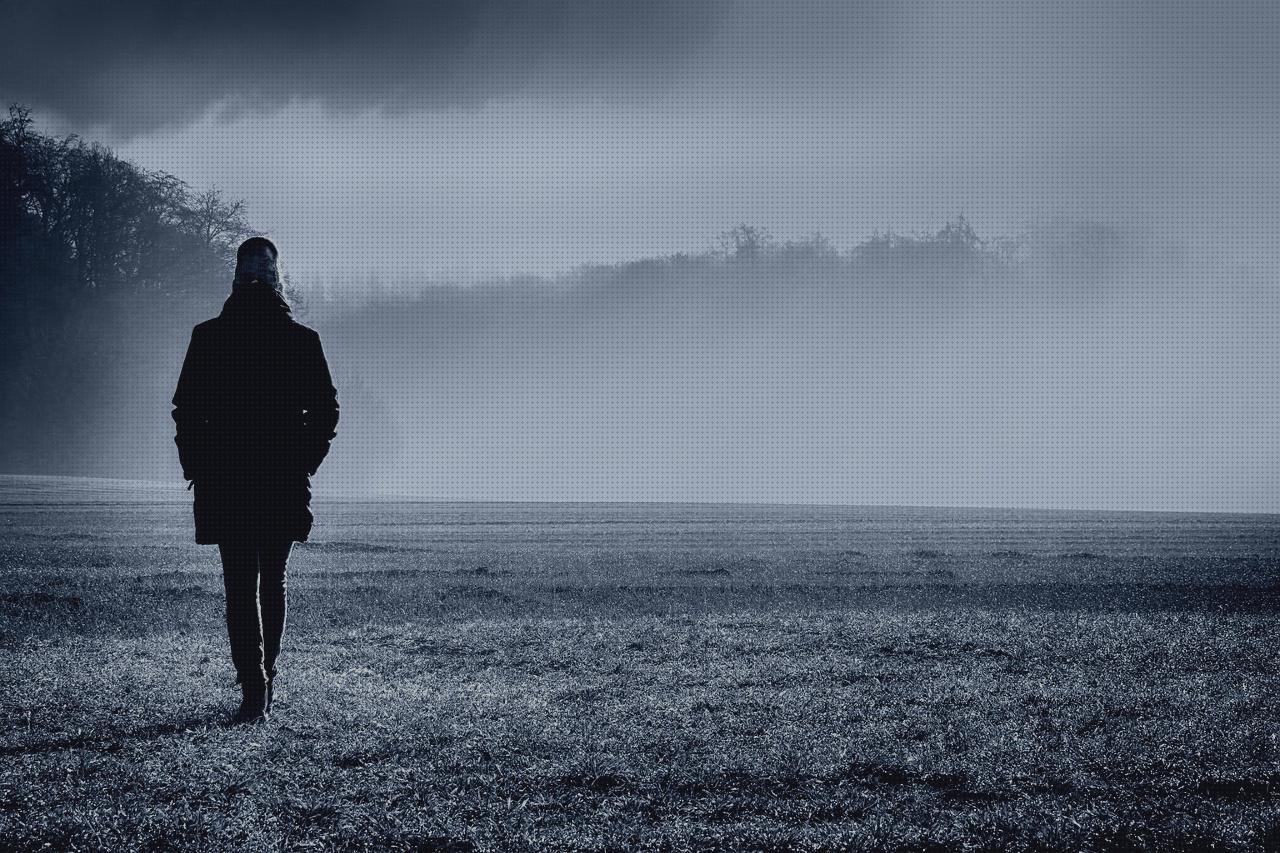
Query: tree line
x,y
86,240
105,266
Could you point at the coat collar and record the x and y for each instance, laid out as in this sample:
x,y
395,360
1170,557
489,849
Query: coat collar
x,y
255,301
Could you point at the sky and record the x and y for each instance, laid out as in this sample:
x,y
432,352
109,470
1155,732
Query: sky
x,y
456,140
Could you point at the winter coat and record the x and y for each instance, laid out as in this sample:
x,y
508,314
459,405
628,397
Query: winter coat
x,y
255,410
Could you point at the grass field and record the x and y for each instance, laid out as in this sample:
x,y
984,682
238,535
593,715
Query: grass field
x,y
613,677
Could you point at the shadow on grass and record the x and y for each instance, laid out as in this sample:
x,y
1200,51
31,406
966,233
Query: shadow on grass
x,y
109,741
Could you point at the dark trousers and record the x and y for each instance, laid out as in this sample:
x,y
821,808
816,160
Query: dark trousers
x,y
255,632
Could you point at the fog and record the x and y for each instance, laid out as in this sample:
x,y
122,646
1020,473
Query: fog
x,y
1086,368
1122,357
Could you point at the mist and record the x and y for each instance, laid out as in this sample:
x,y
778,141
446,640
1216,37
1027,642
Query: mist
x,y
1080,367
501,215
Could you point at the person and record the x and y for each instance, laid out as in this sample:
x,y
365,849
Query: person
x,y
255,411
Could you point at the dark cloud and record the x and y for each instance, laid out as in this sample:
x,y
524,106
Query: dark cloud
x,y
143,64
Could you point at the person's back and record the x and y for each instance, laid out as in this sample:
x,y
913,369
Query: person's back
x,y
255,410
263,413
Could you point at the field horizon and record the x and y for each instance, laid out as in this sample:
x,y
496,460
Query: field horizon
x,y
65,489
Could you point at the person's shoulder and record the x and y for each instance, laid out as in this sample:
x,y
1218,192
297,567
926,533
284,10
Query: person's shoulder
x,y
205,327
302,330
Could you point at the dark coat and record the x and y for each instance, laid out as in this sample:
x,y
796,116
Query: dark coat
x,y
255,411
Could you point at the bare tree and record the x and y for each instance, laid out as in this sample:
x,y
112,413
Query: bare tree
x,y
215,220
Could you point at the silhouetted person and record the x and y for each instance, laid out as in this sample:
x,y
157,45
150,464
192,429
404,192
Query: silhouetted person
x,y
255,411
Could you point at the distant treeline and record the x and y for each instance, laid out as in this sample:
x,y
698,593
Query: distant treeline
x,y
105,266
1082,251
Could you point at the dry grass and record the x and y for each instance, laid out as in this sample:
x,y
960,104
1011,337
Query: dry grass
x,y
496,689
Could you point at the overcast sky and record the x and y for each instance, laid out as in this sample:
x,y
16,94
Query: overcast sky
x,y
468,139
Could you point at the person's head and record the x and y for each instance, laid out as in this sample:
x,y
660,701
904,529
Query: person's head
x,y
258,259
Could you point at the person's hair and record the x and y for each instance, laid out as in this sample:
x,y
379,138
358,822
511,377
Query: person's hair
x,y
273,277
255,243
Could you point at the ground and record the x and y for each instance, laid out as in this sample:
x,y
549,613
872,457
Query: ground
x,y
615,677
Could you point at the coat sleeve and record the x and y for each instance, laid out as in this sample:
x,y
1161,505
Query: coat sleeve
x,y
190,410
320,405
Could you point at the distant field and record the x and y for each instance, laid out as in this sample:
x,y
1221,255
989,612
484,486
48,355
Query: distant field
x,y
632,676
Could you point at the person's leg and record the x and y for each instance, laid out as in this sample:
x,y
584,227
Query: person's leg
x,y
273,559
244,624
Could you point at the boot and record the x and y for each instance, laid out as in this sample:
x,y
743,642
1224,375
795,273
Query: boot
x,y
271,684
253,705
